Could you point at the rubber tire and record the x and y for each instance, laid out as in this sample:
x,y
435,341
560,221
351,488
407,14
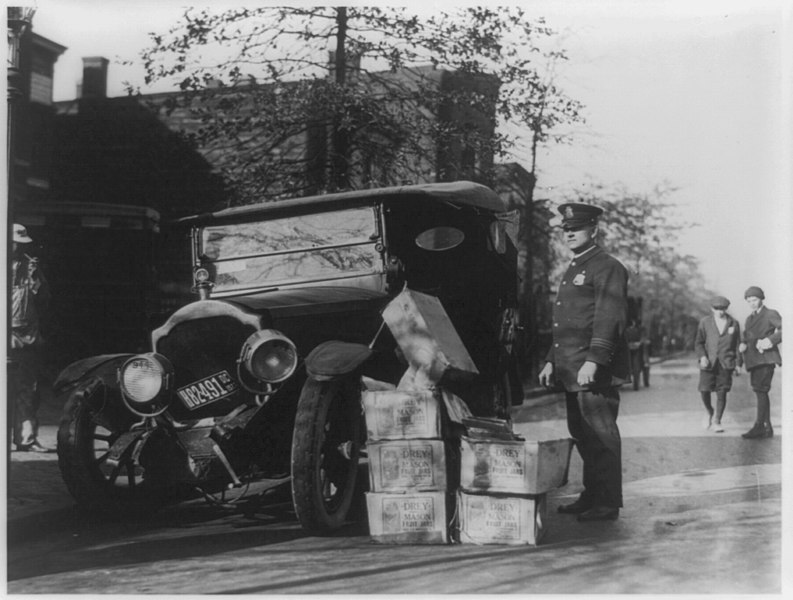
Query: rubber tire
x,y
87,482
326,407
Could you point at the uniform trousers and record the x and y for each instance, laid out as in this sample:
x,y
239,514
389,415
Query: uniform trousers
x,y
592,422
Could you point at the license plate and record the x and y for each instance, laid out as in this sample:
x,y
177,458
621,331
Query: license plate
x,y
207,390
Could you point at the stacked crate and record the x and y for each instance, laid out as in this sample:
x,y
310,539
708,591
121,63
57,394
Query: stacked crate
x,y
504,482
412,445
408,497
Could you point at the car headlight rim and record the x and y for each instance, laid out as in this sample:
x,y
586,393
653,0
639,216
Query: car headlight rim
x,y
269,356
145,378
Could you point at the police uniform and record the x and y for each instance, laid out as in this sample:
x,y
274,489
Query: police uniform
x,y
589,321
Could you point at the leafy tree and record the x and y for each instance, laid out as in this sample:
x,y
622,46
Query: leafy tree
x,y
266,103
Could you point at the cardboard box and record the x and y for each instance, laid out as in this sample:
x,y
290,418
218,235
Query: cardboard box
x,y
418,465
514,467
415,518
511,520
426,336
399,415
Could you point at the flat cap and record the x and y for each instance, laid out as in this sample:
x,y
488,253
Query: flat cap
x,y
575,214
720,302
754,291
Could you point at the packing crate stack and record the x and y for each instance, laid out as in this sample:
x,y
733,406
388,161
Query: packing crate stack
x,y
437,474
504,481
412,442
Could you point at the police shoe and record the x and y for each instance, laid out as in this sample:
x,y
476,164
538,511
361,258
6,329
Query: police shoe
x,y
756,432
600,513
575,508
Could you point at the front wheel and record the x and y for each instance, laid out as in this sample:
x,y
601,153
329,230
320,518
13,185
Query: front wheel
x,y
116,490
325,450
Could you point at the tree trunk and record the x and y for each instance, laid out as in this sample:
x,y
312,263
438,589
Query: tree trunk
x,y
340,139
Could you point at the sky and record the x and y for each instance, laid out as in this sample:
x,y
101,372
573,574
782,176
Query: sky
x,y
695,94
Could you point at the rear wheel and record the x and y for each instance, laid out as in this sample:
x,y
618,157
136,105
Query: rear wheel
x,y
97,485
325,451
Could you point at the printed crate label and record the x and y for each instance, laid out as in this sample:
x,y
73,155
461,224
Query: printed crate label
x,y
407,518
514,467
501,519
401,415
407,464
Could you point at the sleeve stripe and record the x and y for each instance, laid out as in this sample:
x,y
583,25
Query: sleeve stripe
x,y
603,343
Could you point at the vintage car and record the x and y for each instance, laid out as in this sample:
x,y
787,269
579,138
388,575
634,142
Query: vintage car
x,y
261,376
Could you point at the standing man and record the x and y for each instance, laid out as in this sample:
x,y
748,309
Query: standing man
x,y
589,359
716,345
29,297
761,337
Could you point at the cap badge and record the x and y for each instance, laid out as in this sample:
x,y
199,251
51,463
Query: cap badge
x,y
568,212
579,279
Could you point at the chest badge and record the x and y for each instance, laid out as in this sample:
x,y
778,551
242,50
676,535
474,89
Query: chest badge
x,y
579,279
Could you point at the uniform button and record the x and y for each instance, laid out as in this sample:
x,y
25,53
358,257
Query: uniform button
x,y
556,345
556,324
558,304
564,282
573,263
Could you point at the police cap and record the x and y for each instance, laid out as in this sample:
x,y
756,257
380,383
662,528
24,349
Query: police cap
x,y
576,214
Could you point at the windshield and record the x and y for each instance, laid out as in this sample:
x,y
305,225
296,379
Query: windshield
x,y
313,247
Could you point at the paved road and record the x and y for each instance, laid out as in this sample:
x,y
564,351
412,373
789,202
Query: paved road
x,y
702,515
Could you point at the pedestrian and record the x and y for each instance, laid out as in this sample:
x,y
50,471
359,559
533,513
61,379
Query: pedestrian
x,y
716,346
588,358
29,298
762,334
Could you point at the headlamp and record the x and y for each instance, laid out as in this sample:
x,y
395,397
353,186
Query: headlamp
x,y
269,356
145,381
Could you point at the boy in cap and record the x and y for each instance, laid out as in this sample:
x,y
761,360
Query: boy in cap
x,y
716,345
29,296
589,359
762,335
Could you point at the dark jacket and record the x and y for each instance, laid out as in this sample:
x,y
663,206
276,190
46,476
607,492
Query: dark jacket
x,y
715,346
589,319
767,323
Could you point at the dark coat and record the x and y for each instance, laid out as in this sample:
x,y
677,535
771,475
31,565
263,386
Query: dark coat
x,y
767,323
589,319
708,342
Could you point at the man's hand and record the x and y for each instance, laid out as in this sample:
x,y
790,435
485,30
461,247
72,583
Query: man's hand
x,y
704,363
586,374
742,347
546,375
764,344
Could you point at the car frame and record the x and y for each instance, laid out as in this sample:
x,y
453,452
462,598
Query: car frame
x,y
261,376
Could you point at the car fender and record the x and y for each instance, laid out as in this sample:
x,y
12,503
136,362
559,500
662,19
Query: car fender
x,y
104,367
335,359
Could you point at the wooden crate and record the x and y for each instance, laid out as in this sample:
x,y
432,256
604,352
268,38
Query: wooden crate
x,y
408,518
399,415
510,520
427,338
514,467
402,465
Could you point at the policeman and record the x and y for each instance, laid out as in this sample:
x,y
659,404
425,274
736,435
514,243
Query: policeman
x,y
589,359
